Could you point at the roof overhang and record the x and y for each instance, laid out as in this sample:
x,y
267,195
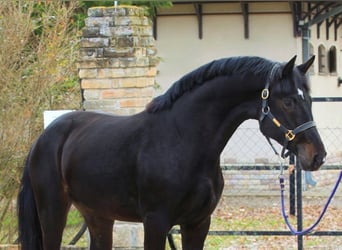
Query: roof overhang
x,y
305,14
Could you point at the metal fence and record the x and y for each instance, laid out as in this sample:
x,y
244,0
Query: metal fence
x,y
249,214
260,215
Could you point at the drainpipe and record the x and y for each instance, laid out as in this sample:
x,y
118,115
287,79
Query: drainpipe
x,y
305,42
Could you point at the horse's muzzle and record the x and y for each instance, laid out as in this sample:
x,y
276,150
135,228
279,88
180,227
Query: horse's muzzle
x,y
310,159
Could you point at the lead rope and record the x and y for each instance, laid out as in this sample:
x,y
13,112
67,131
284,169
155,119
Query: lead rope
x,y
289,136
286,218
282,190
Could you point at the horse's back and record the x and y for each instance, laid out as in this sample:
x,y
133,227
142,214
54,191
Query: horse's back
x,y
89,126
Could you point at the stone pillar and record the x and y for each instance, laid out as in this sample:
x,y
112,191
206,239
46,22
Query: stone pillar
x,y
117,64
117,68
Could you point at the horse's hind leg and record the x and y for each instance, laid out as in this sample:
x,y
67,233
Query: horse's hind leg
x,y
101,232
51,198
193,236
53,209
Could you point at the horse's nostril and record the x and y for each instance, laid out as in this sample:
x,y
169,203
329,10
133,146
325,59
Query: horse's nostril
x,y
319,159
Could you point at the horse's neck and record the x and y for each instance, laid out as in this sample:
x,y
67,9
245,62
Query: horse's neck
x,y
212,115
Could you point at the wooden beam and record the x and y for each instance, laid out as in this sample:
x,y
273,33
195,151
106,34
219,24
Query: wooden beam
x,y
245,12
320,18
337,24
199,14
318,26
154,19
296,10
328,24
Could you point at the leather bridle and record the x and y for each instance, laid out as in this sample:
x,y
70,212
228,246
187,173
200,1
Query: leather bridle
x,y
289,134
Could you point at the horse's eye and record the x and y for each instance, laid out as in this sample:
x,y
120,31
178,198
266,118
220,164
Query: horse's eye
x,y
288,103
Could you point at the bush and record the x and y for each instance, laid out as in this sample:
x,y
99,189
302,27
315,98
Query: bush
x,y
39,46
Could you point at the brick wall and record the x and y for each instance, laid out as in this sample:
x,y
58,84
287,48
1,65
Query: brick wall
x,y
117,63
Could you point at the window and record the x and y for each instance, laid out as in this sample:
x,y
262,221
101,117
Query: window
x,y
322,64
332,60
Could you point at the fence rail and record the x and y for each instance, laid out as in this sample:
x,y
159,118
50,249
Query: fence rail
x,y
249,181
295,188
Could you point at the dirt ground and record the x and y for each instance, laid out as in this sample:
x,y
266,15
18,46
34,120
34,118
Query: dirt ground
x,y
248,213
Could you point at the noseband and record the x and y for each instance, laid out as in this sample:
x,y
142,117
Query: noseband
x,y
289,134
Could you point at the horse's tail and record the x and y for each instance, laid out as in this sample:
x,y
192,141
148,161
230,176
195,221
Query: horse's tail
x,y
30,234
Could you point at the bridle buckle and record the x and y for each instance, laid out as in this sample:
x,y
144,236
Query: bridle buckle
x,y
290,135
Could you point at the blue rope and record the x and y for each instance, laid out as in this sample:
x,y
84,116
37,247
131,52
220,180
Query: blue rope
x,y
308,230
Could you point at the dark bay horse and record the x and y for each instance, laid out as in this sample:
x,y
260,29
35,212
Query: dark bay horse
x,y
161,166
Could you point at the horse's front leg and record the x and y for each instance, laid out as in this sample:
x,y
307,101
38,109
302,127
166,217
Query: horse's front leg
x,y
156,226
101,232
193,236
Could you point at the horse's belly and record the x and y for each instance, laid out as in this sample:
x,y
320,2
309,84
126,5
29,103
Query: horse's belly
x,y
109,212
110,207
106,196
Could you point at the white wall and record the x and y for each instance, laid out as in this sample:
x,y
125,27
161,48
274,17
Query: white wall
x,y
223,36
271,36
325,85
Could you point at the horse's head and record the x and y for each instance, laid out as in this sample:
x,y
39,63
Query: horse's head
x,y
286,114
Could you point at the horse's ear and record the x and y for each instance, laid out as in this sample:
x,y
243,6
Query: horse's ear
x,y
305,66
287,70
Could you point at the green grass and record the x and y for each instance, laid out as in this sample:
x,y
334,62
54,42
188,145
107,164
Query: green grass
x,y
73,225
8,228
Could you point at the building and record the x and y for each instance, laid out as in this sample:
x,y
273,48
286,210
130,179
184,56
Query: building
x,y
192,33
